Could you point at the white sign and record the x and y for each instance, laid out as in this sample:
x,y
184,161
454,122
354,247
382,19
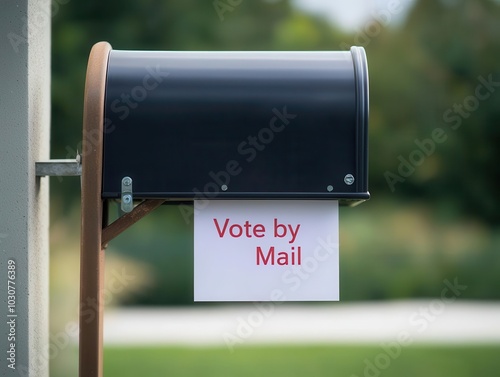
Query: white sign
x,y
263,250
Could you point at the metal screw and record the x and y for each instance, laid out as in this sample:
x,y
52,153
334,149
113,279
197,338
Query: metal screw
x,y
224,187
349,179
127,181
330,188
127,199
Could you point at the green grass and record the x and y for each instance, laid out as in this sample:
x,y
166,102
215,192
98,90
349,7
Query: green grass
x,y
313,361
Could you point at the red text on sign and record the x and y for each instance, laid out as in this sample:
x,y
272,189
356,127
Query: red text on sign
x,y
282,258
237,230
282,230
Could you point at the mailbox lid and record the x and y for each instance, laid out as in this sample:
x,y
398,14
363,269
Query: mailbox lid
x,y
185,125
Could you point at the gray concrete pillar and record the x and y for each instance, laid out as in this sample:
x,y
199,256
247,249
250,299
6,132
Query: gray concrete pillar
x,y
24,209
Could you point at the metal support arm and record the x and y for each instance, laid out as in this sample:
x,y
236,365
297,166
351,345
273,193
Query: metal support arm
x,y
59,168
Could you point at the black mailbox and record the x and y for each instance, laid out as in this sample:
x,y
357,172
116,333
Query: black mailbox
x,y
249,125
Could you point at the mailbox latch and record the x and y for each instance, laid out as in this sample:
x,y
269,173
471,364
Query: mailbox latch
x,y
127,204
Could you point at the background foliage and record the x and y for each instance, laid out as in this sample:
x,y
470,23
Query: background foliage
x,y
441,222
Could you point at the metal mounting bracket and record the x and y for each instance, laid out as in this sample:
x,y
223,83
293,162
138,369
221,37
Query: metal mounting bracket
x,y
59,168
127,195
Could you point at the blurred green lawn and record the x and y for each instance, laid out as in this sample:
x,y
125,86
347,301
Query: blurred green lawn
x,y
290,361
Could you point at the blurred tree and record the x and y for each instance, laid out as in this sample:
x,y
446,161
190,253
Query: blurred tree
x,y
433,68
